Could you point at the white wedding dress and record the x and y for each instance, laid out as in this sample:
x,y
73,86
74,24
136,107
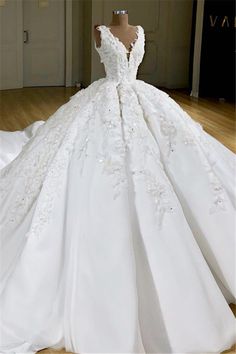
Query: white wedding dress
x,y
117,223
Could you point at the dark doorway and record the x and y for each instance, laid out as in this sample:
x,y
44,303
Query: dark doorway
x,y
217,71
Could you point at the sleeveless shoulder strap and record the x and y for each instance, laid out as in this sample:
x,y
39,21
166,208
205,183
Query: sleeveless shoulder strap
x,y
104,33
107,35
141,30
142,34
99,27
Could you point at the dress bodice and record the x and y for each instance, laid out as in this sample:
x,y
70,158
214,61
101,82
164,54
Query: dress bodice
x,y
118,65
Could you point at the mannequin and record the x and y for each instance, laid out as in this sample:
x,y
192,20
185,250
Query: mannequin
x,y
121,29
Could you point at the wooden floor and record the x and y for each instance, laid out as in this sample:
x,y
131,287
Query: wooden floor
x,y
21,107
217,118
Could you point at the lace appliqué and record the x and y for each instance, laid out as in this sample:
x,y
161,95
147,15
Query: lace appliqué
x,y
169,130
143,151
37,171
112,152
205,150
191,134
160,195
114,168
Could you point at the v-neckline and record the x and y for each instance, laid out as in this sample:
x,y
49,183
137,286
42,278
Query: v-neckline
x,y
132,44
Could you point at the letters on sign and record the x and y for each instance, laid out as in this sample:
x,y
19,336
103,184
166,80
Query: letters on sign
x,y
222,21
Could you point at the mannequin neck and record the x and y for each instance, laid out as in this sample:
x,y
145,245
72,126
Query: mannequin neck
x,y
120,20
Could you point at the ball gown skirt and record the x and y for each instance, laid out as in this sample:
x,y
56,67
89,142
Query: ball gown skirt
x,y
117,223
